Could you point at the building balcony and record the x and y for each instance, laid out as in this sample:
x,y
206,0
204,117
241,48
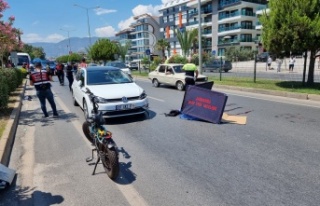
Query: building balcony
x,y
232,28
194,3
227,3
231,42
236,14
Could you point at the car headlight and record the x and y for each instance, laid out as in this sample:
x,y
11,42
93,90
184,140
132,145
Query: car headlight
x,y
101,100
143,95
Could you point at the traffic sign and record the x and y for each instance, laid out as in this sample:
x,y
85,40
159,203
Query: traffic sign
x,y
213,52
148,52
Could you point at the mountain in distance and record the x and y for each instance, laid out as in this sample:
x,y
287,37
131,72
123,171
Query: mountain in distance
x,y
54,50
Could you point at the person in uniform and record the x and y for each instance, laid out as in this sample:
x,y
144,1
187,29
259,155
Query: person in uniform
x,y
41,79
191,72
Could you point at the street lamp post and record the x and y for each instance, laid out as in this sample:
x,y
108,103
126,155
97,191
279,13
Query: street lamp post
x,y
199,36
88,22
68,31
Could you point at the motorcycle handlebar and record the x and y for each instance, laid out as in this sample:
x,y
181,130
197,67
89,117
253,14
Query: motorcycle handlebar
x,y
92,99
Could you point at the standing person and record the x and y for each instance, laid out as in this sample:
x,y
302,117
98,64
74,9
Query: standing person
x,y
60,73
279,63
269,62
83,63
69,74
292,60
40,79
191,72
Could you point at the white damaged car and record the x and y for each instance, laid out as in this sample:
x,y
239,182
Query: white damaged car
x,y
118,94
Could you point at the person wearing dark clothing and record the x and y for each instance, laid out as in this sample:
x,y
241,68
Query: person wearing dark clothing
x,y
40,79
60,73
191,72
69,73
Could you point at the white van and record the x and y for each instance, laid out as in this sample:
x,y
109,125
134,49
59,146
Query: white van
x,y
18,58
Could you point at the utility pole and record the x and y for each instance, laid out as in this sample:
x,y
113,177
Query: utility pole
x,y
88,21
199,37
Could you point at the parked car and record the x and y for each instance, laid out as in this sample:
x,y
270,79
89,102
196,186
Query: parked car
x,y
118,95
134,64
263,57
121,66
215,65
173,75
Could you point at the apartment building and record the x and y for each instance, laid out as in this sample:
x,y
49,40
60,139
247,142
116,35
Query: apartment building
x,y
237,22
173,16
224,23
143,34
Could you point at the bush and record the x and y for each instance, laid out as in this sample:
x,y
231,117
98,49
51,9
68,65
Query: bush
x,y
238,54
10,79
195,58
176,58
4,90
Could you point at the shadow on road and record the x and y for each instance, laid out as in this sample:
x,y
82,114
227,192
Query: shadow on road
x,y
130,119
15,195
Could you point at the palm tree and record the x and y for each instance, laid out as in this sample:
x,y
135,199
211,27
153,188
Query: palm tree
x,y
163,45
186,40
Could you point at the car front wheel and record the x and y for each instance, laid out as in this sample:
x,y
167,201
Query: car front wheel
x,y
155,83
85,110
75,103
180,85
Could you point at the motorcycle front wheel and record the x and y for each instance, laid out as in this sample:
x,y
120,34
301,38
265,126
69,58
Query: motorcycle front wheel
x,y
86,131
110,162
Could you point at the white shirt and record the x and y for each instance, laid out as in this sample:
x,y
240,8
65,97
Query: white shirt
x,y
292,61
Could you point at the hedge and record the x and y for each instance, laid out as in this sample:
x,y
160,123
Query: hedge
x,y
10,79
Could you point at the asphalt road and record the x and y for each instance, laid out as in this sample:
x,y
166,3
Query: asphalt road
x,y
272,160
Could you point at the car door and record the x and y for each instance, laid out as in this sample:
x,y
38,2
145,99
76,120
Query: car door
x,y
170,80
161,76
78,85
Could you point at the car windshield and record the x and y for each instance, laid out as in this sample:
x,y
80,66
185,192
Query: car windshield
x,y
99,77
178,69
116,64
23,59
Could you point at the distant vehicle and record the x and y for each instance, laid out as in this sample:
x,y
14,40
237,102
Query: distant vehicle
x,y
93,64
172,75
120,65
215,65
263,57
134,64
21,58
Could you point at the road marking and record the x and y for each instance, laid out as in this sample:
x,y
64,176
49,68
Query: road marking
x,y
278,99
128,191
160,100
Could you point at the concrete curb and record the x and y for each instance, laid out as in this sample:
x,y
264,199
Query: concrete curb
x,y
7,139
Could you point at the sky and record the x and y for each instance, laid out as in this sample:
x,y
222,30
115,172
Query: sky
x,y
53,20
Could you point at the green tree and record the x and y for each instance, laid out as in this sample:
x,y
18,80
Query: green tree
x,y
186,39
9,36
293,25
103,50
38,52
162,45
123,49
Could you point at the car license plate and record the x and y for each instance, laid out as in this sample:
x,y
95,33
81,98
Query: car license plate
x,y
124,106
